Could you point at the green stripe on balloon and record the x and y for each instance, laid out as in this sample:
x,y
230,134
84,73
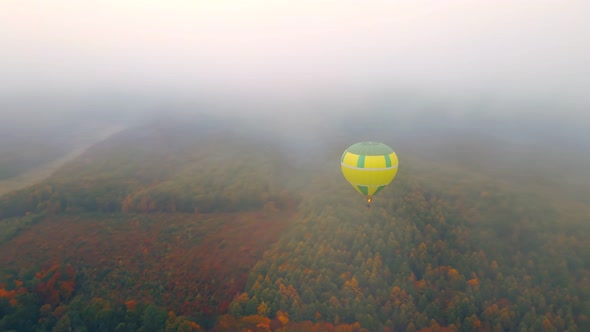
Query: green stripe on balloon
x,y
378,190
361,162
387,160
364,190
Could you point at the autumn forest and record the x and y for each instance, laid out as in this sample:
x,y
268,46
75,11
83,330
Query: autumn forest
x,y
205,226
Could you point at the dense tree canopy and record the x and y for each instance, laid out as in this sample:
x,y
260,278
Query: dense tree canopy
x,y
152,232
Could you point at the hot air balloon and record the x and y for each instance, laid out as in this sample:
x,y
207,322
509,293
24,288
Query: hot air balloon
x,y
369,167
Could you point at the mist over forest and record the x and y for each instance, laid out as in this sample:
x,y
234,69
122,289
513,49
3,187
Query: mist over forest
x,y
174,166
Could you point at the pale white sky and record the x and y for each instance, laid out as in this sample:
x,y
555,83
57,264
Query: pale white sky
x,y
292,49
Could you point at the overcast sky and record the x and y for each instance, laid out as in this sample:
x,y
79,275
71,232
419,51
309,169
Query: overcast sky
x,y
72,51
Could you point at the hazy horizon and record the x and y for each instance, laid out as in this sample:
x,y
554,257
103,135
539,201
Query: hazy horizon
x,y
65,55
421,72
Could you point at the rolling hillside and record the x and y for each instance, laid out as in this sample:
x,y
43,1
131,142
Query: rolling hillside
x,y
211,225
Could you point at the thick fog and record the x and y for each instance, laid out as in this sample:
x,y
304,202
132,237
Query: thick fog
x,y
514,66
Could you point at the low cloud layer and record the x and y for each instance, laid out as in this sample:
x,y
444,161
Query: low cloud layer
x,y
306,61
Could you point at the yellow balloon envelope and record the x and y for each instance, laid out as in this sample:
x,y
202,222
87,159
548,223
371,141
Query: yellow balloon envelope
x,y
369,167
